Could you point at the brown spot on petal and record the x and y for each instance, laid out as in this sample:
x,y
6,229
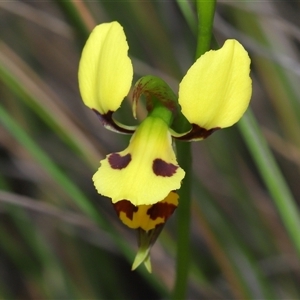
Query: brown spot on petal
x,y
107,121
162,210
119,162
125,206
197,132
162,168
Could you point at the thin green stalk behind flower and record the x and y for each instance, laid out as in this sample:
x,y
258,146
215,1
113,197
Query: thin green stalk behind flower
x,y
205,12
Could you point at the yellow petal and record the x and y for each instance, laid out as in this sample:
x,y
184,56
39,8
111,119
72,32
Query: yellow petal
x,y
145,172
105,70
217,89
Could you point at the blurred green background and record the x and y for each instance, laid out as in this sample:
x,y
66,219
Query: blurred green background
x,y
59,239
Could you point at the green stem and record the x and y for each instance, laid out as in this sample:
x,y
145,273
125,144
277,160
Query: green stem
x,y
205,10
183,222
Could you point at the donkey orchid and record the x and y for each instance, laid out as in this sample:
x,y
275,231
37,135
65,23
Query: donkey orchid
x,y
142,179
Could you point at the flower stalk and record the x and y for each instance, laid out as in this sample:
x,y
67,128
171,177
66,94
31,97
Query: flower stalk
x,y
205,12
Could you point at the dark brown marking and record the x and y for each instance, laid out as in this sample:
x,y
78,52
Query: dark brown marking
x,y
125,206
108,120
119,162
162,210
197,132
162,168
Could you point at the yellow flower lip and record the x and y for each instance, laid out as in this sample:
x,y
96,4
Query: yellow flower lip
x,y
146,171
217,89
105,70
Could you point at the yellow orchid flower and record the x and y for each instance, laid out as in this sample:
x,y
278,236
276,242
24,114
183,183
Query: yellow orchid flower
x,y
143,178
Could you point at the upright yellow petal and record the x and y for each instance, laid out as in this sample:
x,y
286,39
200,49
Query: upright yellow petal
x,y
217,89
105,70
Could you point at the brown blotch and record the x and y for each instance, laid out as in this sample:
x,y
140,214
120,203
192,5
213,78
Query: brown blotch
x,y
162,168
197,132
108,120
125,206
119,162
162,210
